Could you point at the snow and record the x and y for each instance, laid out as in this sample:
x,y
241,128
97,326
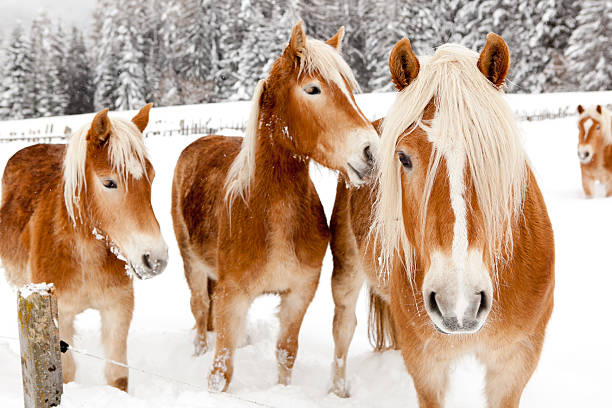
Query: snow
x,y
42,289
574,369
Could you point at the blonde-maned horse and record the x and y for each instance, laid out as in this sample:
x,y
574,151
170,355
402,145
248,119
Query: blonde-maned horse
x,y
79,216
458,249
245,211
595,150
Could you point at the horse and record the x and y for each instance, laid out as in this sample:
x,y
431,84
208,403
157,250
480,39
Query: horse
x,y
451,234
595,150
79,215
245,212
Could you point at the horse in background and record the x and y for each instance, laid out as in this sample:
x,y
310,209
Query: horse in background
x,y
458,247
595,150
80,216
246,213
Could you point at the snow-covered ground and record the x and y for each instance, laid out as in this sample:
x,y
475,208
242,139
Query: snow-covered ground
x,y
574,369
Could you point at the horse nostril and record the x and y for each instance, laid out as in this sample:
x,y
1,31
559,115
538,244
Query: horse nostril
x,y
367,153
484,305
146,261
433,304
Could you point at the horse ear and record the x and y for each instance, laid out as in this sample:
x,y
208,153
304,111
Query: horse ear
x,y
580,109
141,120
297,43
598,109
403,64
336,40
100,128
494,60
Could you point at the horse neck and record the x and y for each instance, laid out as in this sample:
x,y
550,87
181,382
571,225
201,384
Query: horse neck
x,y
81,231
277,167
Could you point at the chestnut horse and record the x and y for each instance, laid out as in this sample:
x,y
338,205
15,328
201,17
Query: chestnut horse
x,y
79,216
245,211
595,150
461,255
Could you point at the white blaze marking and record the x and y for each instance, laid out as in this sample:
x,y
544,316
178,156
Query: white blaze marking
x,y
455,163
587,126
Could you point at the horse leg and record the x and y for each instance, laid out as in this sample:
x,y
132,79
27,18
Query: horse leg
x,y
430,376
66,332
198,281
508,374
116,319
231,308
212,284
293,306
346,284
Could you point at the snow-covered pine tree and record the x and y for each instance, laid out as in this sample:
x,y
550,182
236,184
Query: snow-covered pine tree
x,y
106,53
170,90
417,22
197,50
57,74
150,22
322,18
559,29
18,98
231,35
383,31
39,46
589,52
130,93
270,23
355,42
80,87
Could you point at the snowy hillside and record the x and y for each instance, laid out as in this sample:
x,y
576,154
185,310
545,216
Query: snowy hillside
x,y
575,365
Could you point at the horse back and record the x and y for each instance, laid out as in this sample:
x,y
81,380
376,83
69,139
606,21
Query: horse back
x,y
198,191
30,176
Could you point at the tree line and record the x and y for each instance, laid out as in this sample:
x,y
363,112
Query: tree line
x,y
174,52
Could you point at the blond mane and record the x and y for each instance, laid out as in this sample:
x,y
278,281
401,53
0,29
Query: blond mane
x,y
604,118
127,156
474,125
316,58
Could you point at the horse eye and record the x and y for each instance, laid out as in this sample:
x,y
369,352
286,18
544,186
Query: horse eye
x,y
312,90
109,183
597,127
405,160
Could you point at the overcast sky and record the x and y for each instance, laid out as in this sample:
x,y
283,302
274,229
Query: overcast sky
x,y
76,12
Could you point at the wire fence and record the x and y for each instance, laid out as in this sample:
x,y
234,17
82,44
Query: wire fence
x,y
223,395
186,127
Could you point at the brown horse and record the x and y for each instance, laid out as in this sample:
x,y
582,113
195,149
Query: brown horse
x,y
80,216
245,211
461,255
595,150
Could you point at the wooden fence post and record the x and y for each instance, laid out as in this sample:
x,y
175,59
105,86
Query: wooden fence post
x,y
41,364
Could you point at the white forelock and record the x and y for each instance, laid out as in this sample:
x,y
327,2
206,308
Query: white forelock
x,y
127,156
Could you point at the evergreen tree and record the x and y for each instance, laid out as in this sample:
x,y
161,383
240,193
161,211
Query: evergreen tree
x,y
18,98
106,57
130,92
590,46
39,49
58,72
79,83
270,23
